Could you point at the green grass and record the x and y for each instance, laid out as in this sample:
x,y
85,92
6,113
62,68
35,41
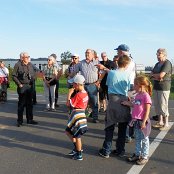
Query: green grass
x,y
63,88
39,86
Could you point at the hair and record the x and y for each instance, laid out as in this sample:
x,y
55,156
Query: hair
x,y
123,61
22,55
54,55
53,59
163,51
142,80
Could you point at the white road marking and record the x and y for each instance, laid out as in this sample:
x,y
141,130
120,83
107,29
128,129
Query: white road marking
x,y
136,169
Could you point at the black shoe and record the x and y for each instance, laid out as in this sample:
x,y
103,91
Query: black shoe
x,y
95,121
56,105
19,123
117,153
156,117
32,122
133,158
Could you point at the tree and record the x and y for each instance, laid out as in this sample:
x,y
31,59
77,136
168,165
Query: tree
x,y
66,57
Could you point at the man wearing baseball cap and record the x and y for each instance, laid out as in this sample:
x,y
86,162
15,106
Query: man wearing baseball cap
x,y
123,49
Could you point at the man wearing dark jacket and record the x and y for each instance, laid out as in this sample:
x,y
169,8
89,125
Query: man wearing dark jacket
x,y
23,76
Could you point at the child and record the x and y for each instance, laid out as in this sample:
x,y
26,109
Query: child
x,y
77,123
140,119
118,82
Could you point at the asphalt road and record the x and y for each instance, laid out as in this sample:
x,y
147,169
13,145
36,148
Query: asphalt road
x,y
43,148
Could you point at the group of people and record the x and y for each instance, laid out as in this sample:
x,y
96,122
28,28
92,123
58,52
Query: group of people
x,y
129,101
125,97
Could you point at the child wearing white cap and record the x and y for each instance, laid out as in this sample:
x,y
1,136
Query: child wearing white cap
x,y
77,122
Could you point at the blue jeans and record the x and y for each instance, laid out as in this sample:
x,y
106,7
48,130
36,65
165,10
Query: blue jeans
x,y
93,100
120,143
141,142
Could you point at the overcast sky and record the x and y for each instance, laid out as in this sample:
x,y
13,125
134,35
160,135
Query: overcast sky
x,y
42,27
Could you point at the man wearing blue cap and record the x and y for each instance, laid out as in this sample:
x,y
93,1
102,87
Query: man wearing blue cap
x,y
123,49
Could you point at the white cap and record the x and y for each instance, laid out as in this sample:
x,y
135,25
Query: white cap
x,y
74,55
77,79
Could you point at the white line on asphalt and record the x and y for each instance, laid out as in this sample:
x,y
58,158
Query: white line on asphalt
x,y
136,169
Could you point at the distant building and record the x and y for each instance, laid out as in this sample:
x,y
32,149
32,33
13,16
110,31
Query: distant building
x,y
39,62
140,68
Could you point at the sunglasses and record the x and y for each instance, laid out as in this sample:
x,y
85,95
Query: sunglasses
x,y
74,58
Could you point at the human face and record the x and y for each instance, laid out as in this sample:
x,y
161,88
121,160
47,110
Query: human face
x,y
75,59
50,61
160,56
76,86
119,53
89,55
26,58
104,57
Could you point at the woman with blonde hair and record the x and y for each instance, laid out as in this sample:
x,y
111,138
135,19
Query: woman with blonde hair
x,y
49,79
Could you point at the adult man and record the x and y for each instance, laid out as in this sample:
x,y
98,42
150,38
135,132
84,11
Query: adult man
x,y
23,76
103,93
161,75
71,68
90,72
123,49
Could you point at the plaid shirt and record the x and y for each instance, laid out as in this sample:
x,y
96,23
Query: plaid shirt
x,y
49,72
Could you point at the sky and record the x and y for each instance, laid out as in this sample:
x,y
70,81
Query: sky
x,y
42,27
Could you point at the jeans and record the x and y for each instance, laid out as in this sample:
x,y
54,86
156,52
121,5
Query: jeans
x,y
141,142
120,143
49,92
93,99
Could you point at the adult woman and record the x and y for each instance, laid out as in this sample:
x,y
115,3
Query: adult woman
x,y
4,73
161,74
49,78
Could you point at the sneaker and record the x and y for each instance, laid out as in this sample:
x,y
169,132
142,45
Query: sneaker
x,y
53,109
78,157
121,154
133,158
117,153
72,153
103,154
142,161
157,125
164,128
47,109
